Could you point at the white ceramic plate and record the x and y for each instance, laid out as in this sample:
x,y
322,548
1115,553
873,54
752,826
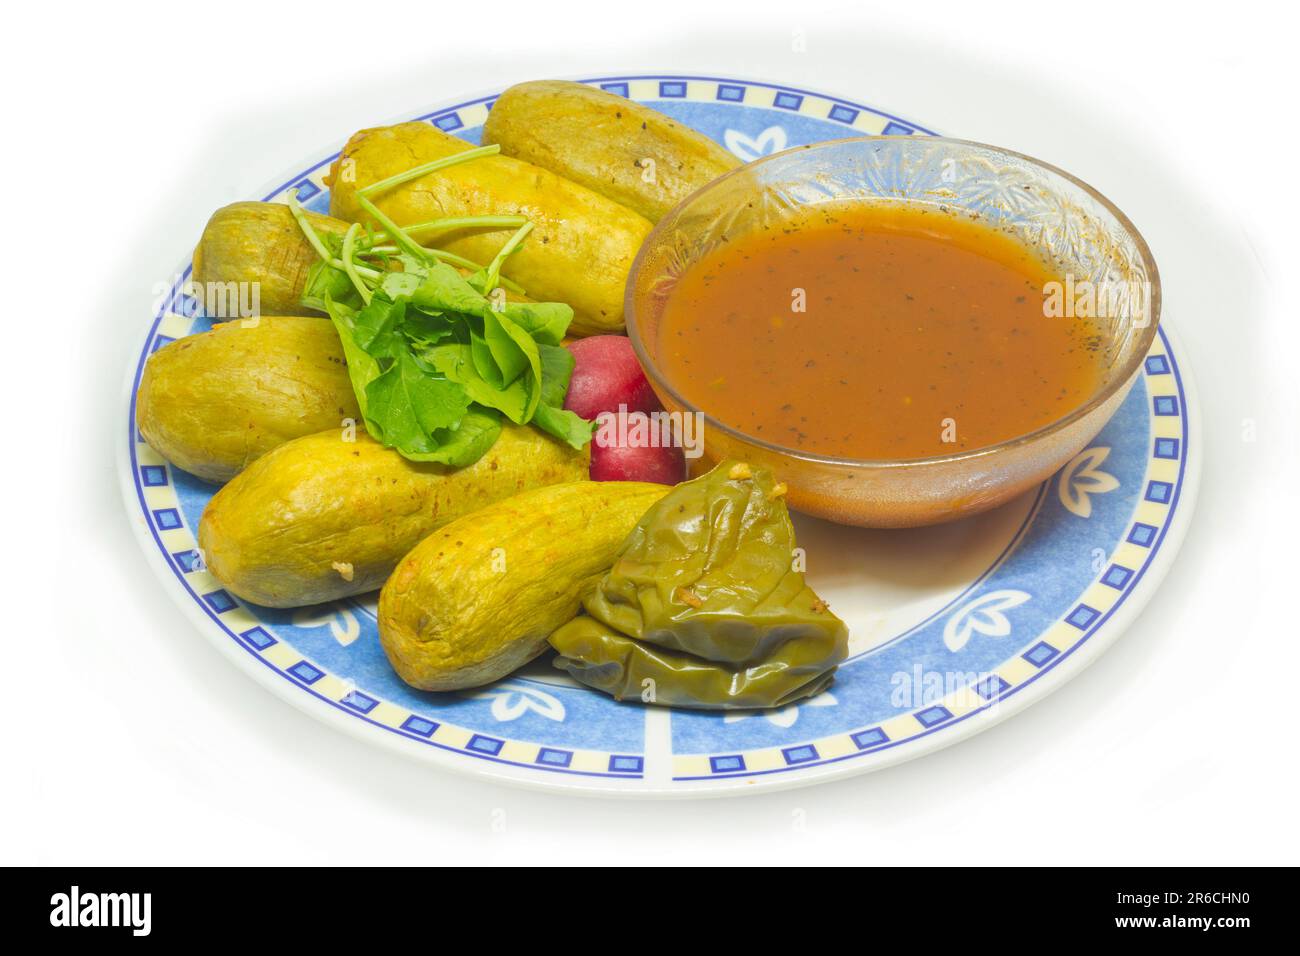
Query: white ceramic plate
x,y
953,628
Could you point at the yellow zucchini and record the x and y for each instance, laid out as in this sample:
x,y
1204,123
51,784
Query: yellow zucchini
x,y
579,251
213,402
478,599
324,517
257,245
630,153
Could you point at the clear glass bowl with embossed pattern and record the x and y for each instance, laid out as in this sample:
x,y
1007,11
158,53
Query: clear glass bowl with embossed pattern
x,y
1045,207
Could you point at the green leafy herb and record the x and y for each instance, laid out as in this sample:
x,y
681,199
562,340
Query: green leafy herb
x,y
437,358
435,366
325,283
412,405
552,417
467,442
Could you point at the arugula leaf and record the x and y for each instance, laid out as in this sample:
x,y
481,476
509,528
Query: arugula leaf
x,y
326,282
512,349
455,360
362,368
443,289
434,365
375,328
412,405
551,417
563,424
467,442
505,356
504,351
557,369
401,285
424,329
546,322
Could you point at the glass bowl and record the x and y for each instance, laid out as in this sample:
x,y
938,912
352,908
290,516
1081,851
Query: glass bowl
x,y
1081,231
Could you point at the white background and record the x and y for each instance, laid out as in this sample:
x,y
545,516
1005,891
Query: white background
x,y
128,739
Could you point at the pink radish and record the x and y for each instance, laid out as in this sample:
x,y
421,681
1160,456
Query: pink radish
x,y
606,374
667,466
608,379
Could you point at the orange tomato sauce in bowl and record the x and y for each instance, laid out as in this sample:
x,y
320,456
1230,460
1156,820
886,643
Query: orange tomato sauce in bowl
x,y
876,331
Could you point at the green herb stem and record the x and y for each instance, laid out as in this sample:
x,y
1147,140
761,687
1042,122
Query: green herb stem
x,y
313,238
443,256
305,225
399,236
450,224
494,269
349,263
447,161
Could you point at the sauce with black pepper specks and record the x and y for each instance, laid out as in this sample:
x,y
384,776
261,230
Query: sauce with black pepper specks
x,y
923,334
